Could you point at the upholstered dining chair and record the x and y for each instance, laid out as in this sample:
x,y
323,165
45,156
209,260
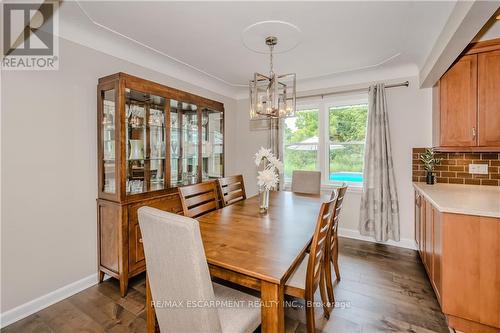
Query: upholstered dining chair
x,y
332,254
232,189
310,273
199,199
178,276
307,182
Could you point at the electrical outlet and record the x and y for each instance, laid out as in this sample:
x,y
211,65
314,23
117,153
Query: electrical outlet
x,y
478,169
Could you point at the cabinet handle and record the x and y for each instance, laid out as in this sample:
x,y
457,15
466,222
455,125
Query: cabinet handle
x,y
140,240
473,132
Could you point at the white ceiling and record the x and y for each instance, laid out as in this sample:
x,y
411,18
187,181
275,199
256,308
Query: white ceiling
x,y
336,37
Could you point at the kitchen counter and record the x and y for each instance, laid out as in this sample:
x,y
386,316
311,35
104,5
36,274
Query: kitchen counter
x,y
462,199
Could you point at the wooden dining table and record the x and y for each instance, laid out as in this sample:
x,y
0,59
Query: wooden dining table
x,y
258,251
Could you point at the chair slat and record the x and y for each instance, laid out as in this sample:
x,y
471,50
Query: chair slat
x,y
202,198
199,199
232,189
203,209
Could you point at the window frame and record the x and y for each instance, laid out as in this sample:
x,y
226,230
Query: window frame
x,y
322,156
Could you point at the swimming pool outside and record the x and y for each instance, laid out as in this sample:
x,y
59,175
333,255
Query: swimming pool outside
x,y
352,177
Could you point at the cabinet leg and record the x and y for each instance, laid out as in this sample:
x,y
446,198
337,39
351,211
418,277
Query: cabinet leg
x,y
101,276
123,286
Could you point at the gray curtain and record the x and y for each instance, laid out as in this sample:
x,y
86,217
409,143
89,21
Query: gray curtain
x,y
379,216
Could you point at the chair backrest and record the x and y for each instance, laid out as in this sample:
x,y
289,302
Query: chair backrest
x,y
177,272
308,182
232,189
339,193
198,199
318,246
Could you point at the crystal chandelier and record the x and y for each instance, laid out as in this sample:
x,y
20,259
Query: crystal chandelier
x,y
272,96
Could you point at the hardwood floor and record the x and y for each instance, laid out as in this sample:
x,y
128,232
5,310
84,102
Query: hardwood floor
x,y
383,289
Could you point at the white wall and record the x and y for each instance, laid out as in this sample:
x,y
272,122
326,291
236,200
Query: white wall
x,y
49,170
410,113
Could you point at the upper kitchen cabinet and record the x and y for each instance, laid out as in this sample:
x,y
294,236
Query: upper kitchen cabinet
x,y
467,103
458,104
489,98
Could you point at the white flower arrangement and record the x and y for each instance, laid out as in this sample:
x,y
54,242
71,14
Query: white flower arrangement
x,y
273,167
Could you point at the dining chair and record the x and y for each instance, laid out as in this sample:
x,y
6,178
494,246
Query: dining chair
x,y
310,273
307,182
199,199
179,279
232,189
332,254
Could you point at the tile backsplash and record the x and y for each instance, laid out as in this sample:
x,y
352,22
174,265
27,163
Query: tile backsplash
x,y
454,168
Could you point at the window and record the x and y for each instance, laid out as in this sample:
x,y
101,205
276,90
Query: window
x,y
328,136
301,140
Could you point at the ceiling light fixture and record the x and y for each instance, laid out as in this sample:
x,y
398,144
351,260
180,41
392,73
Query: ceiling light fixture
x,y
272,96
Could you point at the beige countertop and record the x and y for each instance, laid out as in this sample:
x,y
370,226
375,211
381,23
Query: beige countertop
x,y
462,199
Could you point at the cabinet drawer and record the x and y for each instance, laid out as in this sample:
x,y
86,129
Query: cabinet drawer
x,y
170,203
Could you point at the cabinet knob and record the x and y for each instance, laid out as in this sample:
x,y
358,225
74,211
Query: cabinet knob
x,y
140,240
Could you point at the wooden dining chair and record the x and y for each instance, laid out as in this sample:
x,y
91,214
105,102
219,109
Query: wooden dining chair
x,y
178,276
199,199
310,273
332,254
306,182
232,189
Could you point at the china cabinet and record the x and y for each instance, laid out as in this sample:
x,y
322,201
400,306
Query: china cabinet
x,y
151,140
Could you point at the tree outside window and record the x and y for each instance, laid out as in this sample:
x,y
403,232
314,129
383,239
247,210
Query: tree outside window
x,y
344,141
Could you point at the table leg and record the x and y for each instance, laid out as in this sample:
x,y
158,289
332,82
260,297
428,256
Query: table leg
x,y
272,310
150,310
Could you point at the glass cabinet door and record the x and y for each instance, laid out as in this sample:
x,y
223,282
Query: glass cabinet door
x,y
183,143
145,142
212,141
108,140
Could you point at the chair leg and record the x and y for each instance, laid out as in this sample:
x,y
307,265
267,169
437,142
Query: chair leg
x,y
336,258
324,298
329,282
311,325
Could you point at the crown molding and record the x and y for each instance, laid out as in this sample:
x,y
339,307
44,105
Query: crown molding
x,y
76,26
373,74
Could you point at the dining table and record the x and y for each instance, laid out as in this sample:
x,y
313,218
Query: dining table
x,y
258,250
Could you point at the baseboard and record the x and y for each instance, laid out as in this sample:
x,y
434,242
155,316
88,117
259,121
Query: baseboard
x,y
352,233
28,308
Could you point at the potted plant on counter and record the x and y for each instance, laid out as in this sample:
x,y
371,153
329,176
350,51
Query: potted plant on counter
x,y
430,161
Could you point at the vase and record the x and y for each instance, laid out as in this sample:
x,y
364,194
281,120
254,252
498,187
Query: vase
x,y
136,150
263,200
429,179
109,150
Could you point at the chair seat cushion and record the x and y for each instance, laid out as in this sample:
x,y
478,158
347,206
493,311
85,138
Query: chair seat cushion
x,y
238,311
298,277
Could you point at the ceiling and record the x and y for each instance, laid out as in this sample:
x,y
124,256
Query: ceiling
x,y
336,37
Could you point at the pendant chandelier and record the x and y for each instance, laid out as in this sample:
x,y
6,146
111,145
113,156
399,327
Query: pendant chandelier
x,y
272,96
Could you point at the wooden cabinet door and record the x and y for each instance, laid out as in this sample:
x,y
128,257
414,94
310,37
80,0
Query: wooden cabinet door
x,y
418,202
458,104
428,238
422,228
489,98
437,249
170,203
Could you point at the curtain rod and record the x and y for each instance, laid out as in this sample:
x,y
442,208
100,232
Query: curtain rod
x,y
395,85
